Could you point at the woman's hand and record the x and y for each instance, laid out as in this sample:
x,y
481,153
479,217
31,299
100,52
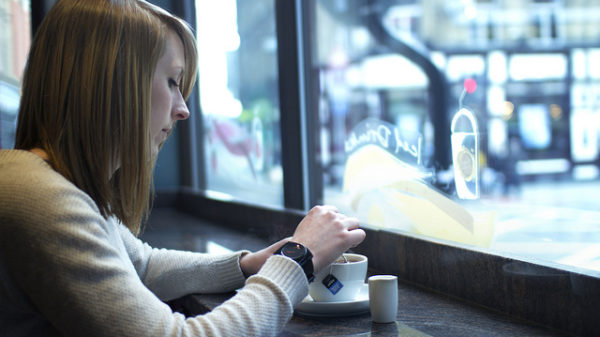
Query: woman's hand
x,y
324,231
327,234
252,262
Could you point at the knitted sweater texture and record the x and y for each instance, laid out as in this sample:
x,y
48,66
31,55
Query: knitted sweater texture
x,y
67,271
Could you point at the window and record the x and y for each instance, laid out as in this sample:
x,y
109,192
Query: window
x,y
238,85
524,160
416,119
14,44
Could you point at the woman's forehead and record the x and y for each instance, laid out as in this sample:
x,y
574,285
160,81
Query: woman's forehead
x,y
173,54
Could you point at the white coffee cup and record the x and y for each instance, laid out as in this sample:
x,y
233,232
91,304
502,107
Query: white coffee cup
x,y
383,298
345,279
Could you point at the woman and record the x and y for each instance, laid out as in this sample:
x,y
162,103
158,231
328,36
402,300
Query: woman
x,y
104,85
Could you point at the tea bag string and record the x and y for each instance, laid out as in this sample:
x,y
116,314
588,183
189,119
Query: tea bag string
x,y
331,265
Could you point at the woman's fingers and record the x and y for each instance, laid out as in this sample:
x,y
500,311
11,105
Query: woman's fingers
x,y
351,223
328,233
356,236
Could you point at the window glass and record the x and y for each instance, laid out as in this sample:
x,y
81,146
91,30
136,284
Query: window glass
x,y
15,32
504,156
238,86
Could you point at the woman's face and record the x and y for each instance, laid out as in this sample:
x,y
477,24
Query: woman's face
x,y
168,105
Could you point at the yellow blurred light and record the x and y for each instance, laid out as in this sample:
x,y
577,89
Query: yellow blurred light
x,y
555,111
509,108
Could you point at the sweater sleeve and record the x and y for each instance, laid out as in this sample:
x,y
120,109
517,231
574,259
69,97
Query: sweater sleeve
x,y
170,273
60,255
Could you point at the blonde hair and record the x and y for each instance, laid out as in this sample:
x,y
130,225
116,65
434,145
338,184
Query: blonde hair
x,y
86,97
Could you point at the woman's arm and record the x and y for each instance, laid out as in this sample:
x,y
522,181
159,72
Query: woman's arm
x,y
75,278
171,273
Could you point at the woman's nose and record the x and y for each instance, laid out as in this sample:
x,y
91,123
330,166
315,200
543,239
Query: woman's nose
x,y
180,109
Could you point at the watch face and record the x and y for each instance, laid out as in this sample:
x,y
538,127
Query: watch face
x,y
293,250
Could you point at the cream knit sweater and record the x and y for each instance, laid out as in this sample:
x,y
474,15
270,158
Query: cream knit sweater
x,y
66,271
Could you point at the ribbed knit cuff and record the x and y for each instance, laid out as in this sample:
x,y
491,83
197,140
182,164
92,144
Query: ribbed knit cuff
x,y
228,269
288,275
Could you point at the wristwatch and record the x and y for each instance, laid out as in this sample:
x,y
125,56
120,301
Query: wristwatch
x,y
301,255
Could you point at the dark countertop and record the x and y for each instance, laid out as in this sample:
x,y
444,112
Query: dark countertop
x,y
420,311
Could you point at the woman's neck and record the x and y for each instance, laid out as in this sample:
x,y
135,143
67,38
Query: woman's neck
x,y
40,153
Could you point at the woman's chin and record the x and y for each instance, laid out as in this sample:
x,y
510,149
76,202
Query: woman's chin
x,y
156,148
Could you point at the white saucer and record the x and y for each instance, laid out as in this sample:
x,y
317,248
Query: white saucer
x,y
308,307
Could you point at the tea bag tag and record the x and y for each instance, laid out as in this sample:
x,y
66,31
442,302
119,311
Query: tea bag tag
x,y
332,283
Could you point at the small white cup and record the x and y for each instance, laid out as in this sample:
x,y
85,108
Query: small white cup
x,y
350,275
383,298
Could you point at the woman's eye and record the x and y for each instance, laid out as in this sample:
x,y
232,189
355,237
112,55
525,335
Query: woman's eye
x,y
173,83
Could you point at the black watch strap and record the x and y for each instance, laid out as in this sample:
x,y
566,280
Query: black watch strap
x,y
301,255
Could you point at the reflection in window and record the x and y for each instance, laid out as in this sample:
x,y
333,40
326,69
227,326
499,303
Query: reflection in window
x,y
239,99
14,44
536,152
379,133
534,126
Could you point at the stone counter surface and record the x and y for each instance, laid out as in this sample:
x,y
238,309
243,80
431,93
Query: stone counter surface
x,y
421,312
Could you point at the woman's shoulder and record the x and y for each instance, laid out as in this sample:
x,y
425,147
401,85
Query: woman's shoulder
x,y
21,163
27,182
24,171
